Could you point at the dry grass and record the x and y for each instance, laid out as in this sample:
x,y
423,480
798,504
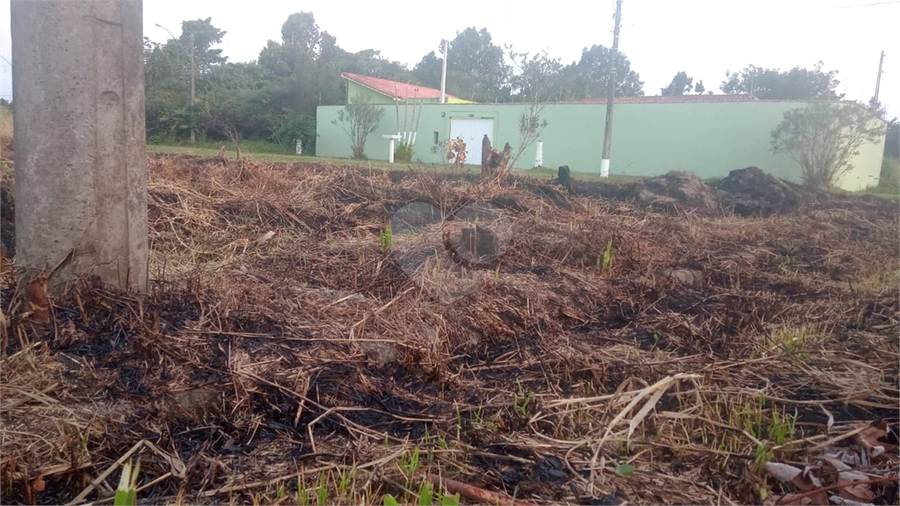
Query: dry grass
x,y
6,133
312,364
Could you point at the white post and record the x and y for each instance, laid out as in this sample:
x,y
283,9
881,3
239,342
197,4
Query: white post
x,y
539,155
391,138
604,167
298,148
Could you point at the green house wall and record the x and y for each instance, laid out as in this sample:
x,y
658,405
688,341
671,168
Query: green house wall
x,y
375,97
707,138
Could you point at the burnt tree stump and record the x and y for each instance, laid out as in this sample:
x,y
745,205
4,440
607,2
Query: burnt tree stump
x,y
479,243
485,153
564,178
493,161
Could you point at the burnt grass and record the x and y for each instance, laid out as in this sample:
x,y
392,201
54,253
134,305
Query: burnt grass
x,y
282,342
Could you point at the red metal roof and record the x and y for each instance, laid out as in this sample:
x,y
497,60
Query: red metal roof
x,y
669,99
394,89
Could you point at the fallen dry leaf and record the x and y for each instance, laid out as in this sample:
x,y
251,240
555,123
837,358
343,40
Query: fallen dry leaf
x,y
802,500
861,492
782,472
836,499
38,301
265,237
833,461
872,434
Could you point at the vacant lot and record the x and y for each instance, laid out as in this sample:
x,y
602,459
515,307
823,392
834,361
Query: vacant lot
x,y
326,334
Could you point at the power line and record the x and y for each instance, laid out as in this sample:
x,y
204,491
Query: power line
x,y
870,5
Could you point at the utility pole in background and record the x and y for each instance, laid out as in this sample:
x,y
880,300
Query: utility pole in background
x,y
878,81
193,73
611,93
444,73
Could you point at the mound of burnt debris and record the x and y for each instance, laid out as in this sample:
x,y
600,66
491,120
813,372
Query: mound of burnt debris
x,y
744,192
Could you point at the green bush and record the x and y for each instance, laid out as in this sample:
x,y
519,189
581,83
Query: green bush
x,y
890,173
297,126
403,152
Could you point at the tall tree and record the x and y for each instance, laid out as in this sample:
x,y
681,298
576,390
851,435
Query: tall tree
x,y
475,68
680,85
773,84
167,76
279,61
300,31
589,77
205,36
536,78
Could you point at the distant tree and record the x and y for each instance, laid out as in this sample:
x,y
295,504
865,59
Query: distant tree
x,y
699,88
235,103
794,84
428,70
877,107
475,68
589,77
234,76
890,164
824,137
358,119
280,61
167,78
892,141
205,36
535,78
371,62
680,85
537,81
301,32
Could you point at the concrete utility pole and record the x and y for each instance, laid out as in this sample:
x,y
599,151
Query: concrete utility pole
x,y
193,73
444,73
878,81
611,94
80,152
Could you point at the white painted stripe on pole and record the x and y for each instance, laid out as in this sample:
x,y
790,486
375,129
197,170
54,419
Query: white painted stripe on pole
x,y
539,156
604,167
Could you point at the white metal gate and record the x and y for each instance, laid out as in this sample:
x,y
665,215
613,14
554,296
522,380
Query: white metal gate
x,y
472,131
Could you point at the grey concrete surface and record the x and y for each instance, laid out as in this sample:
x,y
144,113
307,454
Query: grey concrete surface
x,y
80,148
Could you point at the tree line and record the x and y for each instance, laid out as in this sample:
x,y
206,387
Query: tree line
x,y
274,97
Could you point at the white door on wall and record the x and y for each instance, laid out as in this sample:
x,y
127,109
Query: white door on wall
x,y
472,132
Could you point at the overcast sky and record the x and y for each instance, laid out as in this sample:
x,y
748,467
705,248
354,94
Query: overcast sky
x,y
660,37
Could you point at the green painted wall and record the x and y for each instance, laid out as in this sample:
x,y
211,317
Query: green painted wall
x,y
709,139
866,166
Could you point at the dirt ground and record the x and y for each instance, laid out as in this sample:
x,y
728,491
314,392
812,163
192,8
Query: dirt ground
x,y
324,334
